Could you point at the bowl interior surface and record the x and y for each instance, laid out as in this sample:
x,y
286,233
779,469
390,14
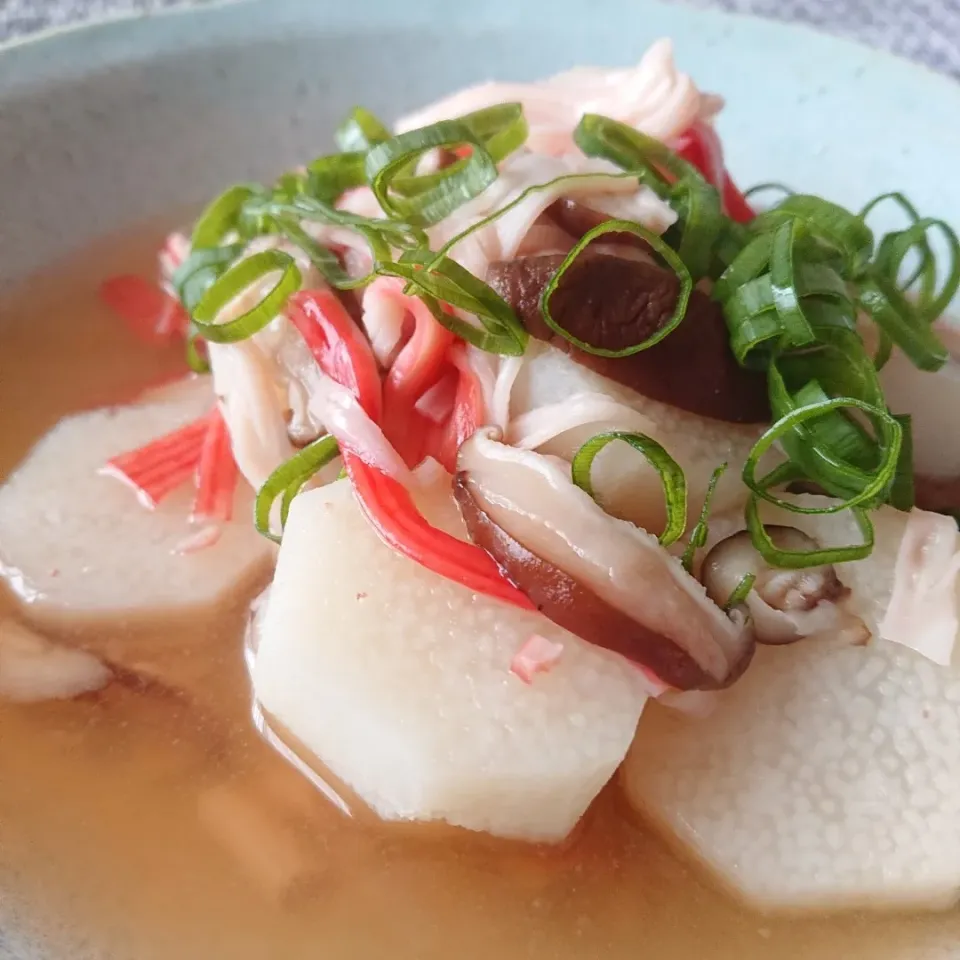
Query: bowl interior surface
x,y
104,126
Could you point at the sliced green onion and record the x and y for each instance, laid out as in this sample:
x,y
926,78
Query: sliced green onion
x,y
872,487
329,176
697,202
200,270
798,560
384,233
768,186
835,451
222,217
756,328
902,492
829,223
360,131
894,249
750,263
892,313
571,178
287,481
740,592
443,279
323,259
700,532
196,361
783,285
428,199
656,243
671,476
234,282
289,186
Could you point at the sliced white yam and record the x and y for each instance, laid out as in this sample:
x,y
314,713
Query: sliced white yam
x,y
399,683
932,399
826,778
34,669
77,546
622,480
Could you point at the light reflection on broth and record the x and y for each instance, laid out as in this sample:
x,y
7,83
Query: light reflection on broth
x,y
157,824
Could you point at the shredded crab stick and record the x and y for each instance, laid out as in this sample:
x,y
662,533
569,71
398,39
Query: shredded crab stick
x,y
217,473
156,470
151,313
701,146
343,354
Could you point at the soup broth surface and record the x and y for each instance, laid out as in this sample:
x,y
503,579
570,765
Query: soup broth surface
x,y
144,823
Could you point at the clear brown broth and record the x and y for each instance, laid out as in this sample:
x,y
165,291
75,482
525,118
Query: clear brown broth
x,y
105,848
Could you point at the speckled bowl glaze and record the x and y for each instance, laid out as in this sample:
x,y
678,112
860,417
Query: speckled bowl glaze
x,y
107,125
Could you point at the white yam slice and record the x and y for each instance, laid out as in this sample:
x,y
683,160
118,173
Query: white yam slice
x,y
827,777
624,483
77,546
34,669
399,682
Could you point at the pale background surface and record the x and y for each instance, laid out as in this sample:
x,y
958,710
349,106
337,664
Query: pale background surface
x,y
923,30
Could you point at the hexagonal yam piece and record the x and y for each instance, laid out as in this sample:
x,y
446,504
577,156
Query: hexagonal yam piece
x,y
78,547
826,778
399,683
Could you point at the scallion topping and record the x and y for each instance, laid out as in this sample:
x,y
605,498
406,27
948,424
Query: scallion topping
x,y
360,131
700,532
698,204
234,282
223,216
658,246
671,475
867,487
740,592
288,480
442,279
329,176
797,560
426,199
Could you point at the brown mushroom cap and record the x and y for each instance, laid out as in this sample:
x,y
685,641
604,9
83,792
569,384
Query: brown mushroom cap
x,y
574,606
611,301
937,494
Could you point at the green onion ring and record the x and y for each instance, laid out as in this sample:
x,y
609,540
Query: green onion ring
x,y
902,490
768,185
894,316
329,176
890,435
829,223
700,532
740,592
428,199
287,481
237,279
360,131
783,285
572,178
656,243
671,476
222,216
697,202
443,279
797,560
